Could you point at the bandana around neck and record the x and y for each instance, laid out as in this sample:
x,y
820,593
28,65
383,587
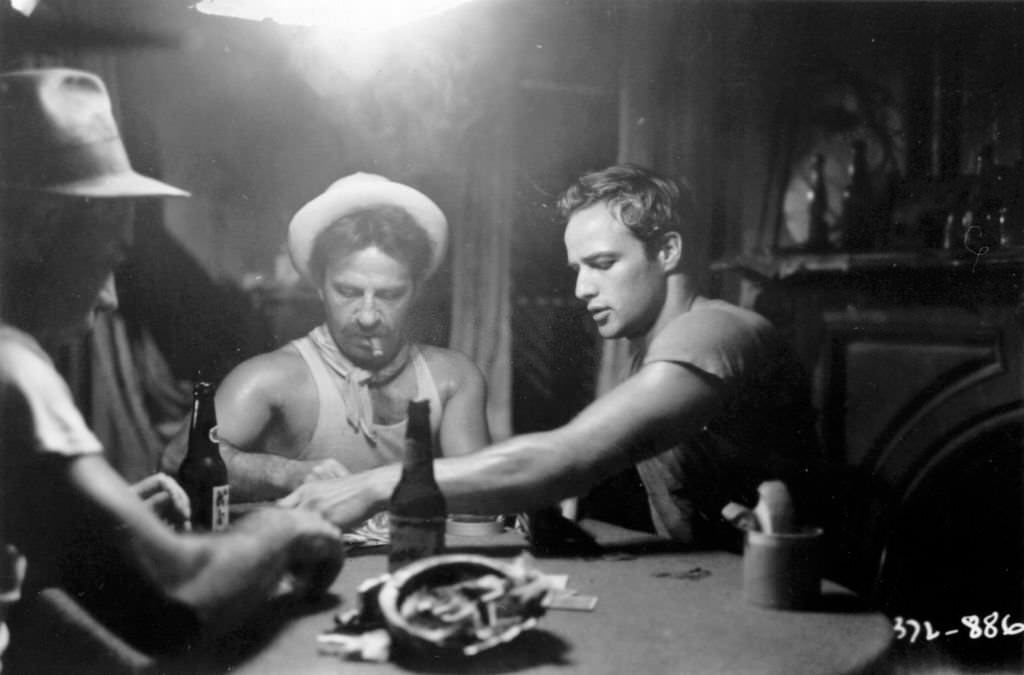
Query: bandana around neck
x,y
356,381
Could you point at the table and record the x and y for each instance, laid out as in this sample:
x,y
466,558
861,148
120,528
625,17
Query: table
x,y
654,615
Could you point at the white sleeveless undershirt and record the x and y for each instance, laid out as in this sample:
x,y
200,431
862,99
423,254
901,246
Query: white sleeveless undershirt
x,y
335,438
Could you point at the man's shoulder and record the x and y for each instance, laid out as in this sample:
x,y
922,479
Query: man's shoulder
x,y
444,358
31,386
449,365
716,337
722,315
716,322
14,342
22,360
280,370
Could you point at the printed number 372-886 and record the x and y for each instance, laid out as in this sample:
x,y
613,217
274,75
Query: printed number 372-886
x,y
990,626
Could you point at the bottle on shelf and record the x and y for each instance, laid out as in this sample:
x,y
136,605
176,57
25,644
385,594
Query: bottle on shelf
x,y
417,512
856,220
817,207
203,474
983,230
1011,216
952,229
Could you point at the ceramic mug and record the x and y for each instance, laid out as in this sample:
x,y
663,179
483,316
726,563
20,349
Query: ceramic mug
x,y
783,571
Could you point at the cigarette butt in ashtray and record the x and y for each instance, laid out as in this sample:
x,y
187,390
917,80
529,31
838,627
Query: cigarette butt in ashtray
x,y
774,511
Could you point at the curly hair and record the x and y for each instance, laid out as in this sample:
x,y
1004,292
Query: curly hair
x,y
647,203
389,228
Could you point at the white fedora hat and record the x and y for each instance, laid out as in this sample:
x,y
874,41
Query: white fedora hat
x,y
359,192
58,136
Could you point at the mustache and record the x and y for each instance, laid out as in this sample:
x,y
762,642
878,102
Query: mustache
x,y
358,334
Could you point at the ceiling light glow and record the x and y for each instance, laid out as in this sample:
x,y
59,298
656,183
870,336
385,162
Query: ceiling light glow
x,y
25,7
356,16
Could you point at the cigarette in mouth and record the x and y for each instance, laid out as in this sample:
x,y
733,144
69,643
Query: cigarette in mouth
x,y
375,347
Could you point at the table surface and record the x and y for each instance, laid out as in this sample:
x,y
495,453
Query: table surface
x,y
651,617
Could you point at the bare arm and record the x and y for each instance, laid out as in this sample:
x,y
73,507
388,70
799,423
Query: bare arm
x,y
663,400
249,415
258,476
464,422
223,577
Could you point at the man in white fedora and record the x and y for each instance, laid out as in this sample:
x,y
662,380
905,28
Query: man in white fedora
x,y
67,193
334,402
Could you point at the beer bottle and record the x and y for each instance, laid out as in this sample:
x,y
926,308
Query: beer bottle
x,y
857,228
987,200
817,207
203,474
417,511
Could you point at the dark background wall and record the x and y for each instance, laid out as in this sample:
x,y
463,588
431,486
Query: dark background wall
x,y
255,119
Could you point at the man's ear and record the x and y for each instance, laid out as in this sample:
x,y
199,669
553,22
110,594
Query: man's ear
x,y
670,251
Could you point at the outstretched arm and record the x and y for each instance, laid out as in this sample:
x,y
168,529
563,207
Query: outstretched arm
x,y
662,401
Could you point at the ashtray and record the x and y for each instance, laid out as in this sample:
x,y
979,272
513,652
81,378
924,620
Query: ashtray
x,y
461,603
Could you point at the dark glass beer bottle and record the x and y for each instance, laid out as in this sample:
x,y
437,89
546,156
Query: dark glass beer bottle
x,y
817,207
987,201
203,474
857,228
417,513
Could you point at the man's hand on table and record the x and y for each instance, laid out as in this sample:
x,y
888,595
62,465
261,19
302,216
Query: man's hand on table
x,y
316,552
346,501
317,555
325,470
162,495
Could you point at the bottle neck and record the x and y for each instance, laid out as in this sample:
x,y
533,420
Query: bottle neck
x,y
418,459
419,455
201,438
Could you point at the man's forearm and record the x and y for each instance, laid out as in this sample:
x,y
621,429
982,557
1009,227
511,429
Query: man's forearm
x,y
521,474
258,476
491,481
222,577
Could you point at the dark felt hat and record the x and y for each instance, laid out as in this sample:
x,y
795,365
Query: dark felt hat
x,y
58,136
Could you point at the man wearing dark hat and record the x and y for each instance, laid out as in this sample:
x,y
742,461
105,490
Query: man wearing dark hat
x,y
334,401
66,207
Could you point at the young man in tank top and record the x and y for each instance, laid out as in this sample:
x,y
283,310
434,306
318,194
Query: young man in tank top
x,y
334,401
